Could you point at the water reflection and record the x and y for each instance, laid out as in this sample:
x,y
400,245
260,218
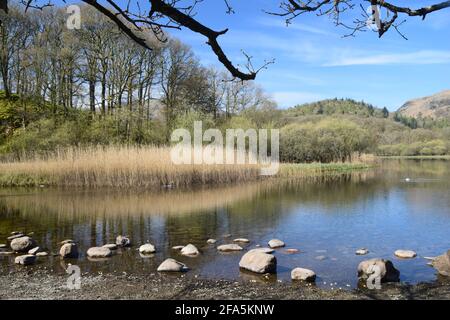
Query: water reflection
x,y
328,216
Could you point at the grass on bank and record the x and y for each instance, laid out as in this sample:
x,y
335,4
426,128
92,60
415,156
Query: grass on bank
x,y
143,167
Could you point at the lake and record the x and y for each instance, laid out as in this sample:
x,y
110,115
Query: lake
x,y
326,218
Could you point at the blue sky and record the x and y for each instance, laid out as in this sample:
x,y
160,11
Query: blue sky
x,y
314,61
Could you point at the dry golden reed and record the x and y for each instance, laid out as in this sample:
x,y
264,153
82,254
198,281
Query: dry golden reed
x,y
142,167
118,166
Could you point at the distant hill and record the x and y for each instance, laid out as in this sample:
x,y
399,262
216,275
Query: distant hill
x,y
338,107
435,106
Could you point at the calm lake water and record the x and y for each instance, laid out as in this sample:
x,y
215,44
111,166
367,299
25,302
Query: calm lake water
x,y
329,218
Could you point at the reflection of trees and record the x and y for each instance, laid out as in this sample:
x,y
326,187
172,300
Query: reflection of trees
x,y
418,168
96,217
177,217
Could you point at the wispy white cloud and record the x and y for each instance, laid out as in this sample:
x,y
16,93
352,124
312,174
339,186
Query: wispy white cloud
x,y
286,99
294,26
414,58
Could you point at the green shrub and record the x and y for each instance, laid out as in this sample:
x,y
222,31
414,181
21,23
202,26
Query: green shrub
x,y
325,141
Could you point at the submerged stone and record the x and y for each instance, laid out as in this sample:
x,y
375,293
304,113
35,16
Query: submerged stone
x,y
276,243
405,254
99,252
229,247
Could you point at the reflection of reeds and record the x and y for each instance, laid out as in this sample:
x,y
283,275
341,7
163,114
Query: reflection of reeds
x,y
79,203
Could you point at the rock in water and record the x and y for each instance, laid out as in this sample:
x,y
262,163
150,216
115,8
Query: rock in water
x,y
211,241
147,249
35,250
110,246
405,254
25,259
303,274
276,243
99,252
123,241
229,247
171,265
190,250
41,254
22,244
362,251
66,241
2,246
258,262
442,264
387,270
177,247
69,251
15,236
291,251
264,250
243,240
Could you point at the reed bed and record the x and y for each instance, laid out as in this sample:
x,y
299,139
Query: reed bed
x,y
141,167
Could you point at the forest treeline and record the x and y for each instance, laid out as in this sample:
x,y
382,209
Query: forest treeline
x,y
98,83
95,86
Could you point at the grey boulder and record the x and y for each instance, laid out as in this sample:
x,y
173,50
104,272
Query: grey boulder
x,y
147,249
442,264
387,271
99,252
171,265
69,251
190,250
258,262
362,252
123,241
405,254
303,274
22,244
25,259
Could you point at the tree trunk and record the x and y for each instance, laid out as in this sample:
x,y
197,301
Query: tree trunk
x,y
92,95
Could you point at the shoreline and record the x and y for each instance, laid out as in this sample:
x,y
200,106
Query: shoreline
x,y
43,284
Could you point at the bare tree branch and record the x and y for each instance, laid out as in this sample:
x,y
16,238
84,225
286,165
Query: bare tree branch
x,y
176,14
